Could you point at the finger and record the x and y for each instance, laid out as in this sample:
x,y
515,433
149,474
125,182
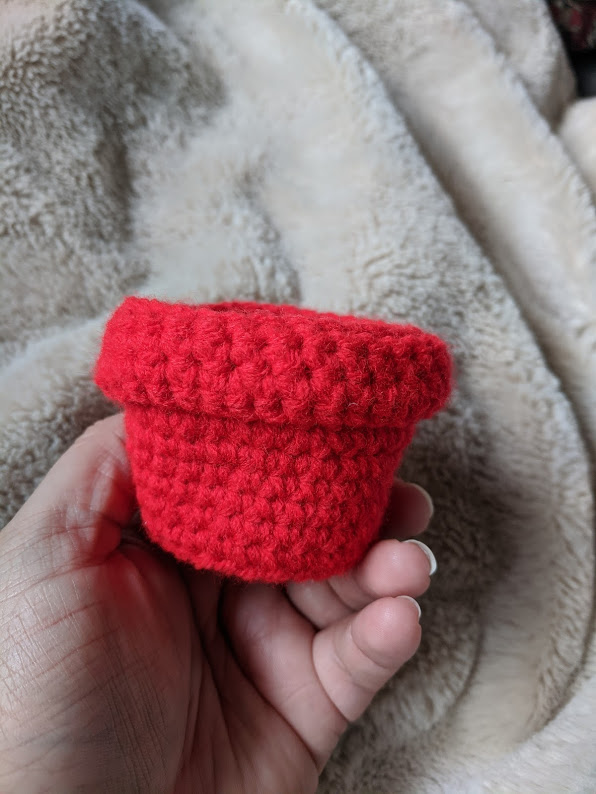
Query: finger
x,y
317,601
409,511
76,514
273,644
354,658
390,568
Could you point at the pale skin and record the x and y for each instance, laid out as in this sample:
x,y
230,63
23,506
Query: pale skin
x,y
122,671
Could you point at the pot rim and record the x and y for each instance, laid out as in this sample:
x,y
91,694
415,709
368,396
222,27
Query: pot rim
x,y
274,363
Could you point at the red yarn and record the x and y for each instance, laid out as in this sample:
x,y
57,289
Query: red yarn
x,y
263,439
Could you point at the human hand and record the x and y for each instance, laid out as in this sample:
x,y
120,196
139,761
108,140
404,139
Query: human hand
x,y
122,671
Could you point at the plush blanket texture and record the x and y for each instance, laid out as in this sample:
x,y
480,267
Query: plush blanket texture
x,y
420,161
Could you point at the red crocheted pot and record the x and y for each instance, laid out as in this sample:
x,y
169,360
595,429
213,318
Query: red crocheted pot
x,y
263,439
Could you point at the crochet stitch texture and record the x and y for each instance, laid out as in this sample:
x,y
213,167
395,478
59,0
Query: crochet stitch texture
x,y
263,439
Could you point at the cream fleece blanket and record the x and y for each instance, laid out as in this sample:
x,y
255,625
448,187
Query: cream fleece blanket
x,y
420,160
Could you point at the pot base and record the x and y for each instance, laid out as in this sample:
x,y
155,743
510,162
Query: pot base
x,y
261,502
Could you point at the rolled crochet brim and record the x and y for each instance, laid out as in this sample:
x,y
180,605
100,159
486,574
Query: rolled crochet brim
x,y
276,364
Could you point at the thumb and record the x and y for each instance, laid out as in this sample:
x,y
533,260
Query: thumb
x,y
76,514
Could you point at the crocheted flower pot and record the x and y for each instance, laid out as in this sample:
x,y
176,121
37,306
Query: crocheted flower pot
x,y
263,439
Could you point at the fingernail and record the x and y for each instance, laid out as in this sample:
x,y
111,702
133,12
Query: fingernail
x,y
416,604
427,497
431,557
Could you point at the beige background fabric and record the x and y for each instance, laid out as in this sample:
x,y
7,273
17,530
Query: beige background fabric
x,y
423,162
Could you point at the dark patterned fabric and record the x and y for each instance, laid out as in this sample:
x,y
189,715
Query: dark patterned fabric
x,y
576,19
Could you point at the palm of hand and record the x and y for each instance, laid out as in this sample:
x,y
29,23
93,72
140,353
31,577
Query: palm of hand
x,y
126,672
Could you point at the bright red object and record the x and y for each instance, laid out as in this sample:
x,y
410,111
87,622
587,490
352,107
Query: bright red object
x,y
263,439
